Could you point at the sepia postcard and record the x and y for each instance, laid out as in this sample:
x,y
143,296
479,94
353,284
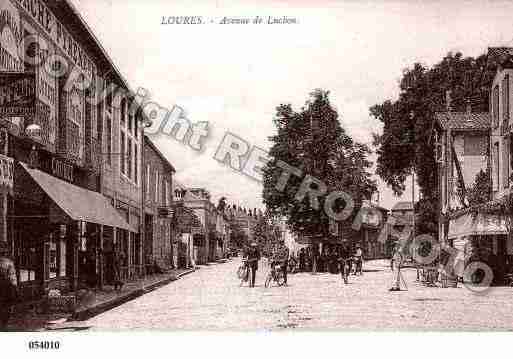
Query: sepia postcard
x,y
271,167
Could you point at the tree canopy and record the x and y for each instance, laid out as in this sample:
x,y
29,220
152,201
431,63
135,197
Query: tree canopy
x,y
406,145
313,141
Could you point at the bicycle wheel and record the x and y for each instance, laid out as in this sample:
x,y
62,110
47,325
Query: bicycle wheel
x,y
280,279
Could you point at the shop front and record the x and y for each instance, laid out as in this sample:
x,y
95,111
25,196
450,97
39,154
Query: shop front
x,y
481,237
60,232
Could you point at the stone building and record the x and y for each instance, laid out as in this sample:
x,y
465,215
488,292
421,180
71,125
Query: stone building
x,y
158,196
62,145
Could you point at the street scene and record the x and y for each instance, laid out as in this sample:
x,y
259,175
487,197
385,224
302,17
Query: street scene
x,y
309,302
309,171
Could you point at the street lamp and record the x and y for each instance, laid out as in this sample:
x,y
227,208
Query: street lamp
x,y
33,132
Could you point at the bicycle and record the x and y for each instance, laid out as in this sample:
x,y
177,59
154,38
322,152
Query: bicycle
x,y
275,275
243,272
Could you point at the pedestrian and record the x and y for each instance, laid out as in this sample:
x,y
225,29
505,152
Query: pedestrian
x,y
398,261
116,270
8,286
359,260
343,262
253,256
302,260
282,257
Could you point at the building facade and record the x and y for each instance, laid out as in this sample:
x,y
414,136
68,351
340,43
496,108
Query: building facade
x,y
469,143
57,153
160,246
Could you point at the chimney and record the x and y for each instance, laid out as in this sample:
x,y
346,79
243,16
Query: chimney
x,y
469,106
448,100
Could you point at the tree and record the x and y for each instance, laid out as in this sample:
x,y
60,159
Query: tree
x,y
238,238
313,141
221,205
481,189
405,144
266,233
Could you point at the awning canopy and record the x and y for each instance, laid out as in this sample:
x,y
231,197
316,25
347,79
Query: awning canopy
x,y
78,203
470,224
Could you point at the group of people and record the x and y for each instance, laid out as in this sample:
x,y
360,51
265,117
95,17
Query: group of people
x,y
251,256
330,259
8,287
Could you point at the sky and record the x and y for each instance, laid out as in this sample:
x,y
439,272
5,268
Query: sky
x,y
234,76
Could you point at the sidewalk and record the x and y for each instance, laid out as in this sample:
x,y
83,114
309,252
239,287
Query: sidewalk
x,y
93,302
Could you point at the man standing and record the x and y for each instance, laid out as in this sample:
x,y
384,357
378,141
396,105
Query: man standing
x,y
343,261
253,258
358,256
8,286
283,259
302,260
398,261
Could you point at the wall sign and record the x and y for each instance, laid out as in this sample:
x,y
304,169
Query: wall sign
x,y
40,13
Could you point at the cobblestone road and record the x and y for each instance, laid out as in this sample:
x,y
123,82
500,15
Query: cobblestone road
x,y
211,299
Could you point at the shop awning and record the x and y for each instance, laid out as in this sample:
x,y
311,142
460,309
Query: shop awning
x,y
78,203
470,224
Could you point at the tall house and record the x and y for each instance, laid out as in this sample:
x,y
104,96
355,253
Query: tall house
x,y
62,145
466,144
158,197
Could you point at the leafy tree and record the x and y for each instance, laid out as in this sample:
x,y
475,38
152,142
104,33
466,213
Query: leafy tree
x,y
406,144
221,205
481,189
238,238
313,141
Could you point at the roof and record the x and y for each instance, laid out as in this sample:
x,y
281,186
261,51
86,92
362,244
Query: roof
x,y
464,120
157,151
78,203
189,196
498,54
403,206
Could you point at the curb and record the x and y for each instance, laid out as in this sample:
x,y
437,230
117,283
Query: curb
x,y
88,313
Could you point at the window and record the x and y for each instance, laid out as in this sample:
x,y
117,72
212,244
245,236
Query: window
x,y
496,166
495,106
129,158
122,153
166,193
148,181
123,111
156,186
505,163
136,127
130,121
505,100
136,166
108,140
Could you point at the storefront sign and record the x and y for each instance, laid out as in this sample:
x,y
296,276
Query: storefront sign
x,y
62,170
6,172
38,11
